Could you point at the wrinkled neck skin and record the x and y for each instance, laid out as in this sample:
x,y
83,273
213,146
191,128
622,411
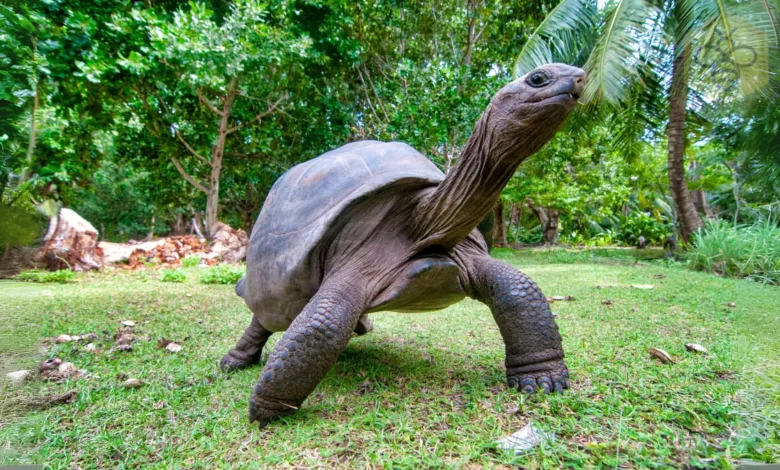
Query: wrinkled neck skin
x,y
495,149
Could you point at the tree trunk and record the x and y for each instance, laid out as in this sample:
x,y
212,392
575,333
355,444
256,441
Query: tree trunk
x,y
549,220
217,153
71,243
499,227
678,96
516,214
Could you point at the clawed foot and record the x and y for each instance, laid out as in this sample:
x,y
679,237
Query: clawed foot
x,y
236,360
264,411
548,377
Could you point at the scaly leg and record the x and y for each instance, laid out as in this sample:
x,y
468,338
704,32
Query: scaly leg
x,y
534,354
307,350
248,349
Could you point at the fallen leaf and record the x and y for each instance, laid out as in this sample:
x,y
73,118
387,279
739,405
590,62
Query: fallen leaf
x,y
18,377
731,304
62,339
124,342
90,347
365,387
173,347
50,364
67,368
132,383
659,276
129,323
524,440
606,302
643,286
696,348
661,355
52,400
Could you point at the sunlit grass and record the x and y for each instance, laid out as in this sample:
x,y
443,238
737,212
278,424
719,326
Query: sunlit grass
x,y
423,390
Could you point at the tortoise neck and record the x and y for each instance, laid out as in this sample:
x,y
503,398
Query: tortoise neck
x,y
446,216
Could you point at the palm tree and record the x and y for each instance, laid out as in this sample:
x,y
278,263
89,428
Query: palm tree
x,y
720,47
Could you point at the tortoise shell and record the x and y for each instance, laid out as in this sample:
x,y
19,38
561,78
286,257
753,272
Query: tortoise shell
x,y
300,212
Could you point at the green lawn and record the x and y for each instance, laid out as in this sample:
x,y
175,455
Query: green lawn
x,y
423,390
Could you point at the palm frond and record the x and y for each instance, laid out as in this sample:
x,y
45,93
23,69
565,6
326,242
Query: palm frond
x,y
735,43
559,38
613,64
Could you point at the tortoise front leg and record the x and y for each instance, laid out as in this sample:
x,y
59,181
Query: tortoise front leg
x,y
534,354
307,350
249,348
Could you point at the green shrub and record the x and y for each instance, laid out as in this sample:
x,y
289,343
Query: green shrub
x,y
173,275
222,274
191,261
639,224
61,276
743,251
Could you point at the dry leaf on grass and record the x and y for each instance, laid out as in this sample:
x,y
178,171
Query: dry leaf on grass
x,y
606,302
661,355
129,323
524,440
643,286
696,348
132,383
42,403
172,346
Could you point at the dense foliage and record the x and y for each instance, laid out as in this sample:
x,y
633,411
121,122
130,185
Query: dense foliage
x,y
149,117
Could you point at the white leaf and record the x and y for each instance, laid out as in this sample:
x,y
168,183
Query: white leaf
x,y
524,440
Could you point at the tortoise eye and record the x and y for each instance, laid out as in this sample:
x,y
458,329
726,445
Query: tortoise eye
x,y
538,79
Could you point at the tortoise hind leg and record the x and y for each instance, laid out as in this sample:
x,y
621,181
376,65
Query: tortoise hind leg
x,y
249,348
307,350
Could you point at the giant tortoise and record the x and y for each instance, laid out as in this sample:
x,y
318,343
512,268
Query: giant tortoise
x,y
375,226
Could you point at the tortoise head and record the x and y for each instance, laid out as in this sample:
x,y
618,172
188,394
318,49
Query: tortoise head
x,y
528,112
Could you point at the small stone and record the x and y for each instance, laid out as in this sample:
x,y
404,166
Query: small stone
x,y
62,339
129,323
90,347
18,377
173,347
67,368
731,304
132,383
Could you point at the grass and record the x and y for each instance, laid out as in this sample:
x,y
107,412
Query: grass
x,y
422,390
222,274
173,275
45,277
744,251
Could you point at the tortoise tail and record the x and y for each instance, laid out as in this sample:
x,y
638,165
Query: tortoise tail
x,y
241,287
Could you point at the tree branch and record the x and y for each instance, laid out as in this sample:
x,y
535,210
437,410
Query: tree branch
x,y
187,177
192,150
260,116
246,155
208,103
